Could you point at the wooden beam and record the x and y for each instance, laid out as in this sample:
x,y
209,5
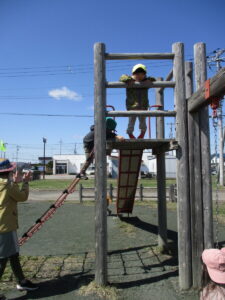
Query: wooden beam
x,y
217,89
168,78
159,145
183,201
114,56
100,165
173,145
161,178
147,113
141,85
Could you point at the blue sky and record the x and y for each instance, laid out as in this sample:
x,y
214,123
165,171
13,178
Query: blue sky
x,y
47,45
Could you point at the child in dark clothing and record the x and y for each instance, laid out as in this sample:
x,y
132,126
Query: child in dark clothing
x,y
137,98
88,140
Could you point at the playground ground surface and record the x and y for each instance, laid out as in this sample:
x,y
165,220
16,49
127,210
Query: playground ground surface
x,y
61,256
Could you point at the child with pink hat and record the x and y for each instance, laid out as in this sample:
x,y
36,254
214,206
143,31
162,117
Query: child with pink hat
x,y
213,275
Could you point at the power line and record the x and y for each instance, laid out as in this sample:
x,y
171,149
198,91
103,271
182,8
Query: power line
x,y
46,115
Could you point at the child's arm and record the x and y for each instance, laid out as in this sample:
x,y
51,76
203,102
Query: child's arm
x,y
19,195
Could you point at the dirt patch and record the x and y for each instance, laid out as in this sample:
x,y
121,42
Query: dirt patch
x,y
104,292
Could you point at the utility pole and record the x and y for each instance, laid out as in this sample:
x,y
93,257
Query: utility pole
x,y
216,60
5,149
17,155
171,135
75,149
44,142
60,146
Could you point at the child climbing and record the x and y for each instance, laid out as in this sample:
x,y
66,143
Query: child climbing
x,y
137,98
10,195
88,140
213,274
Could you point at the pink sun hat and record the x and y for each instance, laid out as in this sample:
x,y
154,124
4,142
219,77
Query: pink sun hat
x,y
214,259
6,165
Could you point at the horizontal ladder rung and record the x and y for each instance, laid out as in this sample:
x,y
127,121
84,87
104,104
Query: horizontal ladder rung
x,y
114,56
147,84
146,113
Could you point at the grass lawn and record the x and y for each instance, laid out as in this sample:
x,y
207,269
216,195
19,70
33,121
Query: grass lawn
x,y
57,184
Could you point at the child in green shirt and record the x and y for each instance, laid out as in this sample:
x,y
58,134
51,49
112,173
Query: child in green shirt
x,y
137,98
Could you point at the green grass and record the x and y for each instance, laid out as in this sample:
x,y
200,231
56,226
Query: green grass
x,y
58,184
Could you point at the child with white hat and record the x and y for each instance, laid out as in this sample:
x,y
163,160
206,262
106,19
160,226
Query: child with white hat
x,y
137,98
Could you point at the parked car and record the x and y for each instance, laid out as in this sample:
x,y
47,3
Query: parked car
x,y
90,171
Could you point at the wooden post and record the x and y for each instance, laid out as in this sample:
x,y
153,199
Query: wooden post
x,y
141,192
81,192
183,200
195,182
161,177
200,78
100,165
195,178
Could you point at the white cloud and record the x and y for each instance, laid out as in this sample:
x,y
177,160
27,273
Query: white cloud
x,y
64,93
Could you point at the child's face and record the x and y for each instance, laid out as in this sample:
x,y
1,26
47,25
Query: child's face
x,y
139,76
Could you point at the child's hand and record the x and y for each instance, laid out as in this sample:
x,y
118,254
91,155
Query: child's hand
x,y
27,176
120,138
17,177
130,81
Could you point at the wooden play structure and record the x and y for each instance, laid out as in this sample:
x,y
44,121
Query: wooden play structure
x,y
192,145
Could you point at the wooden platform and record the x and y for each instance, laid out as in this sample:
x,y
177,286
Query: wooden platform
x,y
157,145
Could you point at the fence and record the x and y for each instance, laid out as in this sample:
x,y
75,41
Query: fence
x,y
141,194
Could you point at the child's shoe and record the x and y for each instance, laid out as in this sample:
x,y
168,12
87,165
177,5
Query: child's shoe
x,y
131,136
26,285
141,136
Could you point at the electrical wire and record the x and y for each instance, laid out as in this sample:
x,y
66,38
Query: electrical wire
x,y
45,115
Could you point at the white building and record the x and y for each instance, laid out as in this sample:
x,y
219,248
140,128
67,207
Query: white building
x,y
151,163
72,163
